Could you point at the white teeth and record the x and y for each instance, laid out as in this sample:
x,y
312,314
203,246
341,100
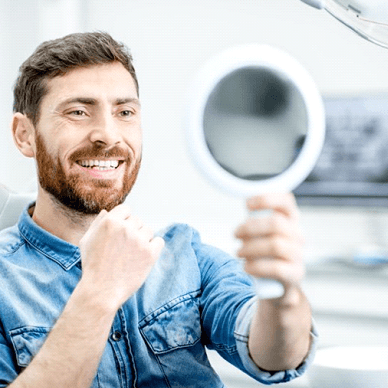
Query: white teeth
x,y
103,164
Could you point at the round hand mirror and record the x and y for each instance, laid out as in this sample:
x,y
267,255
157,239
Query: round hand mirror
x,y
255,125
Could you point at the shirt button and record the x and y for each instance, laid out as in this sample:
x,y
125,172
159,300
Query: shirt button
x,y
116,336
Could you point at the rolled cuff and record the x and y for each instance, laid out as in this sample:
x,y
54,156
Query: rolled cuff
x,y
241,334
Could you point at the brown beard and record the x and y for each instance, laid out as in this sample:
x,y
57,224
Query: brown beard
x,y
87,196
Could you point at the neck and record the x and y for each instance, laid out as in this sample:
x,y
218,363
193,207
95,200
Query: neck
x,y
59,220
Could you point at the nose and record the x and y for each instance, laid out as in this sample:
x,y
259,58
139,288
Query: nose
x,y
105,131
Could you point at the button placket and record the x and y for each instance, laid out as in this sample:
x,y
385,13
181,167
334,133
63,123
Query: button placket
x,y
118,342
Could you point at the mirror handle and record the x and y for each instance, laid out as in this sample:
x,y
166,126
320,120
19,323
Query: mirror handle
x,y
266,288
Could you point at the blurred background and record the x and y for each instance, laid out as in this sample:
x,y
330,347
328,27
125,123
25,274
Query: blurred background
x,y
344,207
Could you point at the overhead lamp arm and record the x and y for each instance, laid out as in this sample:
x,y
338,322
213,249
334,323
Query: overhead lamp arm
x,y
315,3
368,18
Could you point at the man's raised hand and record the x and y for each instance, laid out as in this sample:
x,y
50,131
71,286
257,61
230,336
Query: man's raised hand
x,y
118,252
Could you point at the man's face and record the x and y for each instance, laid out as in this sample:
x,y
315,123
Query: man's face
x,y
88,138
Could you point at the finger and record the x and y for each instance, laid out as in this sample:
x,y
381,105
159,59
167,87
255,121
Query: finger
x,y
283,203
121,212
286,273
276,224
134,222
156,245
274,247
146,233
100,215
98,219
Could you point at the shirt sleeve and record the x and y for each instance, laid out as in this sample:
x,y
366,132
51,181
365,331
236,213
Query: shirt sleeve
x,y
7,363
243,322
228,302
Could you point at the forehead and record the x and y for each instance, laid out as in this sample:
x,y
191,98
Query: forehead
x,y
101,82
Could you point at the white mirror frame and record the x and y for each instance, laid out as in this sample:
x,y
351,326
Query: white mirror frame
x,y
274,60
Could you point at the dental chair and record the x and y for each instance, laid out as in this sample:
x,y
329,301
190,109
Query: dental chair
x,y
11,205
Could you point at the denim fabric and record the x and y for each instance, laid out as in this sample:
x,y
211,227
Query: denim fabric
x,y
196,296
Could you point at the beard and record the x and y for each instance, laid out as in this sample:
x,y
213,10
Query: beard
x,y
81,194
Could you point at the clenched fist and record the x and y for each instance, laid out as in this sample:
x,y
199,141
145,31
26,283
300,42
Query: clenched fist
x,y
117,253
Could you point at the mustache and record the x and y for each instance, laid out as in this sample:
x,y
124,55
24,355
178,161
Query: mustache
x,y
96,152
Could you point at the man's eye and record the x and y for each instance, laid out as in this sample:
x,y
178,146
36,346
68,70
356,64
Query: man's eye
x,y
78,113
126,113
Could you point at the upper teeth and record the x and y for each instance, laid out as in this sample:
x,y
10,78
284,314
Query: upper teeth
x,y
99,163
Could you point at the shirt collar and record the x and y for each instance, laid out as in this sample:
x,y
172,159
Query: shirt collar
x,y
56,249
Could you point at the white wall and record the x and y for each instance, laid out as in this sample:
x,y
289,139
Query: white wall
x,y
23,25
170,40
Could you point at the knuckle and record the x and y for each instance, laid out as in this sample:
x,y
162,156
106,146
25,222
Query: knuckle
x,y
134,219
250,226
276,223
149,233
240,252
248,267
257,202
279,270
282,271
263,202
135,222
276,245
130,235
109,222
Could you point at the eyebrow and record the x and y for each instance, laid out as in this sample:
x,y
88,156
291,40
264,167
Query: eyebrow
x,y
93,101
131,100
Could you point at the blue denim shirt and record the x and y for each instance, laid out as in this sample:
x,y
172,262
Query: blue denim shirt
x,y
195,297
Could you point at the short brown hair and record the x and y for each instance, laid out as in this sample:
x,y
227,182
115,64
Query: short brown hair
x,y
56,57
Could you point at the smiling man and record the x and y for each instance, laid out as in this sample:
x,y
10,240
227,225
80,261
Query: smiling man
x,y
90,296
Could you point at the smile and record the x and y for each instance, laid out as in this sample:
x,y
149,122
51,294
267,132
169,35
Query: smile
x,y
101,165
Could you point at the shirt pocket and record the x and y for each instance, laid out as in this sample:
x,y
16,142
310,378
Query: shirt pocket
x,y
175,325
27,342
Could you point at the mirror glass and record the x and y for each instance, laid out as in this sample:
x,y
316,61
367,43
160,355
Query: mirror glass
x,y
255,123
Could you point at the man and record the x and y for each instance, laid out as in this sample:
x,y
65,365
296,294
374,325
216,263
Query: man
x,y
90,297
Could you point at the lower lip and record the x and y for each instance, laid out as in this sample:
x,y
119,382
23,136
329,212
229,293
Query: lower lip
x,y
102,174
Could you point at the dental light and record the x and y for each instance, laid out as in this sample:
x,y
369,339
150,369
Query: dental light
x,y
368,18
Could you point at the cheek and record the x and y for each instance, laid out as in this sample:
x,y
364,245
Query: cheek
x,y
58,152
135,141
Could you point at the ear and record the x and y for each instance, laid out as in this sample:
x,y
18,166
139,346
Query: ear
x,y
23,134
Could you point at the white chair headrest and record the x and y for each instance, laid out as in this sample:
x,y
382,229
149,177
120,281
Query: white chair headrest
x,y
11,205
